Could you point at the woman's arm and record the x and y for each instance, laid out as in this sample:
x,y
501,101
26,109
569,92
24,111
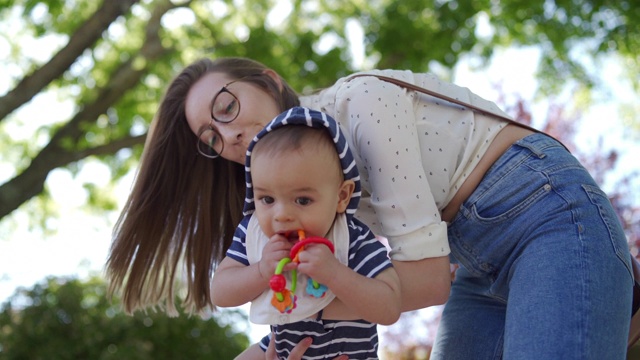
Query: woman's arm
x,y
424,282
382,124
417,289
381,118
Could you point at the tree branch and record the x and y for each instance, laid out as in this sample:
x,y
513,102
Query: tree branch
x,y
83,38
56,154
31,183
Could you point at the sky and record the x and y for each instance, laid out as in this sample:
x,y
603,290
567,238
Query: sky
x,y
80,244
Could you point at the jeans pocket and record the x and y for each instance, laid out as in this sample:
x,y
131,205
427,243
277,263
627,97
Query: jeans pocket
x,y
507,199
610,219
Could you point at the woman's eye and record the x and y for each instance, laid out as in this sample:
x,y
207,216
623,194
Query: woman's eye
x,y
303,201
213,140
231,107
225,106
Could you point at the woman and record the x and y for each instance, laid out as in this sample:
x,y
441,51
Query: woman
x,y
544,265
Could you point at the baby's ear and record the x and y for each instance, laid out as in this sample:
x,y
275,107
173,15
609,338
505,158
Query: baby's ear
x,y
344,195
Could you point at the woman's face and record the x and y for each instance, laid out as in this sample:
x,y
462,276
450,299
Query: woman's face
x,y
257,108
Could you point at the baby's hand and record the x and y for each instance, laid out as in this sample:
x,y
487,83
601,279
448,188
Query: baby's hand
x,y
276,249
318,262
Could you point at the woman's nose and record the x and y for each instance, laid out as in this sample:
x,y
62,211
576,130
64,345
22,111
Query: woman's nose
x,y
231,135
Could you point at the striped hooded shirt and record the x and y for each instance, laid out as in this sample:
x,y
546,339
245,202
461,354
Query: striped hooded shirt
x,y
366,255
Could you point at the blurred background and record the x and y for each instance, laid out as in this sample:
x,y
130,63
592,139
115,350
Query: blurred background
x,y
80,81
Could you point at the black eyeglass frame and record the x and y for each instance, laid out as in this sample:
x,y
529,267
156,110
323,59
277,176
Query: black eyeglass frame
x,y
210,127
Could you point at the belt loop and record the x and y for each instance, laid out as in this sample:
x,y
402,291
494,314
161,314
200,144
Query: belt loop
x,y
531,147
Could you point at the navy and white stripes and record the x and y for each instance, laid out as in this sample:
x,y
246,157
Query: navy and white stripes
x,y
365,255
314,119
357,339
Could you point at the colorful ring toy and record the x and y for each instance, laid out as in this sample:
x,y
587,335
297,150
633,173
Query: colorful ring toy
x,y
284,299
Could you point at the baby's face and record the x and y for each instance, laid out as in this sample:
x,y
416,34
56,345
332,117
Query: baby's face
x,y
296,190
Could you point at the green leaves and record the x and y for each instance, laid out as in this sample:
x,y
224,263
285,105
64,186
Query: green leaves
x,y
115,58
71,319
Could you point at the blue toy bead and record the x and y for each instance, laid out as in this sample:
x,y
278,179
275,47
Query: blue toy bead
x,y
316,292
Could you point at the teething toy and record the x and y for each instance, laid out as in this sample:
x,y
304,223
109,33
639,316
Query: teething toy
x,y
284,299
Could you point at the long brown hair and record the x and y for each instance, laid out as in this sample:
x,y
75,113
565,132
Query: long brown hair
x,y
182,212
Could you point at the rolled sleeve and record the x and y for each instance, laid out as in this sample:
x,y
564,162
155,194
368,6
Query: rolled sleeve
x,y
427,242
382,125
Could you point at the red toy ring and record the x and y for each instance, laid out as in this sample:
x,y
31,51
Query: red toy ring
x,y
312,240
284,299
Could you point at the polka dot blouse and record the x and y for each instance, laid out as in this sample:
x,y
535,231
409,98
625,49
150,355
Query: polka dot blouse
x,y
413,152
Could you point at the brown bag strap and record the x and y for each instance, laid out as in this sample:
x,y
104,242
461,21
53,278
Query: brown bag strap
x,y
477,109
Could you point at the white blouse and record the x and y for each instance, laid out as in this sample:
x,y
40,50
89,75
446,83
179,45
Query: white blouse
x,y
413,152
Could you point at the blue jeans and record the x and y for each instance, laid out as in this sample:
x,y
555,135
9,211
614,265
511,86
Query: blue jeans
x,y
545,270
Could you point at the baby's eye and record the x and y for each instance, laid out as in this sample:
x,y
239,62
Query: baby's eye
x,y
303,201
267,200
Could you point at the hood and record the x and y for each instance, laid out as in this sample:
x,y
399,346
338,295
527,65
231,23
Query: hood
x,y
314,119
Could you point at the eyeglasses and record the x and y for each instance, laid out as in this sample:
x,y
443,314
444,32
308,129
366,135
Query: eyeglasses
x,y
225,108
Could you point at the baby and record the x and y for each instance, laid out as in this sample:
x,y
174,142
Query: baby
x,y
301,176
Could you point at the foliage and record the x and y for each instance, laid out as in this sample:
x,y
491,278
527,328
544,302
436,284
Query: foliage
x,y
72,319
106,64
113,59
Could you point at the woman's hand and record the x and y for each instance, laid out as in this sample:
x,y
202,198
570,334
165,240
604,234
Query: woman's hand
x,y
296,353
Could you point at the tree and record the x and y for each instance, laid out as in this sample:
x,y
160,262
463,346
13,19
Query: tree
x,y
115,58
71,319
112,59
